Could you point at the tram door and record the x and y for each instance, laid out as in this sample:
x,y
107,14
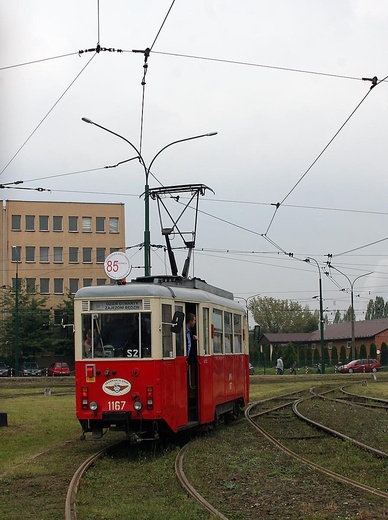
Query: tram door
x,y
192,354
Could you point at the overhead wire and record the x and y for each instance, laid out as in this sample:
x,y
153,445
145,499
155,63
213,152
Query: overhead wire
x,y
47,114
146,53
39,61
232,62
260,65
375,82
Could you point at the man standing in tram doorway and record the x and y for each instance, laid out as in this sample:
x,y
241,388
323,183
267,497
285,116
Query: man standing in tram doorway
x,y
190,323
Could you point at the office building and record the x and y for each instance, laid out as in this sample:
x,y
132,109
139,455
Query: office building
x,y
56,247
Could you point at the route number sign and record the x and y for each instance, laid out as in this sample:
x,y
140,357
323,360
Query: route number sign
x,y
117,266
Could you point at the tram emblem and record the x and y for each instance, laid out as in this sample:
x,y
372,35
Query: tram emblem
x,y
116,386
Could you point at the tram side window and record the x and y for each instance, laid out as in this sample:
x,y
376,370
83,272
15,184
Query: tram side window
x,y
205,328
145,338
228,332
237,333
166,331
179,342
217,338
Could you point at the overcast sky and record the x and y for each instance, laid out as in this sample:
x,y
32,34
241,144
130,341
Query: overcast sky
x,y
281,83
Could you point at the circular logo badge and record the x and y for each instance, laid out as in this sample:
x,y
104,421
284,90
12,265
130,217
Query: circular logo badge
x,y
117,265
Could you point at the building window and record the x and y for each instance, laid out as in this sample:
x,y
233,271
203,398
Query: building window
x,y
101,281
58,255
30,222
16,253
73,285
313,346
100,224
113,224
31,285
44,286
57,223
87,282
114,249
16,223
100,255
73,255
30,254
44,255
43,223
14,284
58,285
73,224
349,345
87,255
330,345
86,224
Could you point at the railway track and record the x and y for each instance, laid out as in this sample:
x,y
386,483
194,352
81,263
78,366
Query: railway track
x,y
70,509
262,409
279,408
190,489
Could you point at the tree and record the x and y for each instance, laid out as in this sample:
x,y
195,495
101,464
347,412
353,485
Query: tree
x,y
63,337
376,309
33,324
282,315
334,356
342,357
384,354
348,314
363,353
309,356
337,317
290,355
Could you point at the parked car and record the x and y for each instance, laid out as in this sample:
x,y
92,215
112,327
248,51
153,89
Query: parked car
x,y
360,365
30,368
59,369
251,369
4,370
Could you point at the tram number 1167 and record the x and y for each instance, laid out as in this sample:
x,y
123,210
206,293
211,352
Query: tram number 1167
x,y
116,405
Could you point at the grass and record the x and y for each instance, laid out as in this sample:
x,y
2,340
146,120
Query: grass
x,y
236,470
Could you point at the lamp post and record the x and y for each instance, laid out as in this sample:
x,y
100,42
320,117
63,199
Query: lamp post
x,y
147,170
321,321
353,353
17,256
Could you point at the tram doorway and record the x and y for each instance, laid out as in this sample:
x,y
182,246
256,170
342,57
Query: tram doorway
x,y
192,361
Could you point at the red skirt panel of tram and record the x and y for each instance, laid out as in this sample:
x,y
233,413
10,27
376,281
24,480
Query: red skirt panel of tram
x,y
164,395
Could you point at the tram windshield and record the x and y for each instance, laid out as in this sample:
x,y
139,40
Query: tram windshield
x,y
116,335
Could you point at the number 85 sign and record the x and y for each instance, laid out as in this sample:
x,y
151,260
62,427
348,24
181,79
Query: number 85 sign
x,y
117,265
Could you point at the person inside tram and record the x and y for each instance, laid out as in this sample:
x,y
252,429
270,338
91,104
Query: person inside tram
x,y
116,332
191,338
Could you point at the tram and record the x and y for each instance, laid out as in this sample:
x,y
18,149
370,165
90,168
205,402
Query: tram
x,y
133,371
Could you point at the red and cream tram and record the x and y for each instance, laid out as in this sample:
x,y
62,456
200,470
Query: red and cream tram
x,y
132,368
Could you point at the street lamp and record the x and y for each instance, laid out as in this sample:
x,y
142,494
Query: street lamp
x,y
353,354
147,171
308,260
17,256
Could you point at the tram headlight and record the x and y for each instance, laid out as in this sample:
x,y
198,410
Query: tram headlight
x,y
93,406
137,406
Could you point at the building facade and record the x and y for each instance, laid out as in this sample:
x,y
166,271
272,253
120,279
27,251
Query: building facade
x,y
58,247
338,335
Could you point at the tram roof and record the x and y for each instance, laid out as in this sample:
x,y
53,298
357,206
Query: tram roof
x,y
163,287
